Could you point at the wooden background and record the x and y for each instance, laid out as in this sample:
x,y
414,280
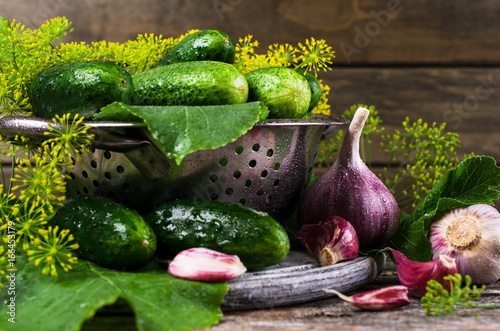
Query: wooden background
x,y
431,59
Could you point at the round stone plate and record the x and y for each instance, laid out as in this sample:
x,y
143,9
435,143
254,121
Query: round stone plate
x,y
297,279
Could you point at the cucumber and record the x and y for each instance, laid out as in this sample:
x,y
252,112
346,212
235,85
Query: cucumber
x,y
204,45
315,87
194,83
82,87
283,90
107,232
255,237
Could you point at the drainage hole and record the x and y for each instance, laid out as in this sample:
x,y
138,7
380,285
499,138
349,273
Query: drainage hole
x,y
242,201
263,174
120,169
252,163
270,152
107,154
107,175
96,183
72,175
73,162
276,182
238,150
229,191
255,147
276,166
213,196
85,174
248,182
260,192
236,174
126,186
223,162
213,178
93,164
85,190
268,199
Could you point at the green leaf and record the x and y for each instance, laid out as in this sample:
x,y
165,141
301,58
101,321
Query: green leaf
x,y
180,130
468,184
159,300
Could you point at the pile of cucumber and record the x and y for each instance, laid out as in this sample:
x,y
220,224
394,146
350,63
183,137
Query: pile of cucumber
x,y
198,70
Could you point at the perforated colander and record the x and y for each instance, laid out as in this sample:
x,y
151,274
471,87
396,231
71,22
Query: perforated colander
x,y
267,168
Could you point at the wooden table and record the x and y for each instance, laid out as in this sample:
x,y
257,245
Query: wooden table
x,y
335,314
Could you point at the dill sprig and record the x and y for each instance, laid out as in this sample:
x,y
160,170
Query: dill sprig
x,y
36,191
439,302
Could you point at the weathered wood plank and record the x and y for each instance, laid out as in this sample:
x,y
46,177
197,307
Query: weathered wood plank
x,y
466,99
360,31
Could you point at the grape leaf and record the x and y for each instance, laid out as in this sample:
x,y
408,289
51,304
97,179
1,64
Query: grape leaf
x,y
159,300
469,183
180,130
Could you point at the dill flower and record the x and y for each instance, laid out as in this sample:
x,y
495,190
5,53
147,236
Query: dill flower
x,y
315,55
283,54
28,218
53,248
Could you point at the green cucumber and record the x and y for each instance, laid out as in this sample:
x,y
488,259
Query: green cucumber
x,y
107,232
82,87
255,237
283,90
195,83
204,45
315,87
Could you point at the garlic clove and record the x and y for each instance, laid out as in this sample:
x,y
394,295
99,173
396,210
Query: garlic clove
x,y
415,275
471,236
206,265
332,240
385,298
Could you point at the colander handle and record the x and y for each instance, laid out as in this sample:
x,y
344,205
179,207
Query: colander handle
x,y
147,158
34,127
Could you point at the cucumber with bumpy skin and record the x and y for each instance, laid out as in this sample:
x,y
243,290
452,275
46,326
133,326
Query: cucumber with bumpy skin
x,y
195,83
107,232
255,237
283,90
82,87
204,45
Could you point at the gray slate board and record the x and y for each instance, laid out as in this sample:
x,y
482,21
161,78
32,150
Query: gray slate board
x,y
298,279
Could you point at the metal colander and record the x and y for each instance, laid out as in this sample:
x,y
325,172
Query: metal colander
x,y
267,168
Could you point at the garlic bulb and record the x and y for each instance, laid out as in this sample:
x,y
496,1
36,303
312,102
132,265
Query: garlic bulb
x,y
349,189
471,236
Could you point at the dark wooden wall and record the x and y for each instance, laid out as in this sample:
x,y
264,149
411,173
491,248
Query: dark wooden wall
x,y
432,59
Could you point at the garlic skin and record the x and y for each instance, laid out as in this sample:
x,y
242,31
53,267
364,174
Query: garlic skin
x,y
206,265
349,189
385,298
415,275
332,240
471,236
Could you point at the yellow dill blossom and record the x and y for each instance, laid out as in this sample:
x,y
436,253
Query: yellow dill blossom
x,y
323,106
315,55
27,219
67,138
282,54
52,248
22,148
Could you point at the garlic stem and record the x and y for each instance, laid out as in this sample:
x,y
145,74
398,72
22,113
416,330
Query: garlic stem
x,y
328,256
350,145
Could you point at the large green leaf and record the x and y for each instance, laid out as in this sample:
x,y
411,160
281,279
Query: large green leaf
x,y
180,130
469,183
159,300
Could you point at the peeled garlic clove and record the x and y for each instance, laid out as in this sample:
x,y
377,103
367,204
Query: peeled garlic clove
x,y
331,240
386,298
415,275
206,265
471,236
